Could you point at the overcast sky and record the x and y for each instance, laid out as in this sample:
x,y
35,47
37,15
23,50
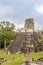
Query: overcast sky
x,y
17,11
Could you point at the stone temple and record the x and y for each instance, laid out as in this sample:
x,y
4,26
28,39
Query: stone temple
x,y
27,40
29,24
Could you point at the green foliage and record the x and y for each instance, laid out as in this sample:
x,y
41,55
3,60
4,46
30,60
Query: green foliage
x,y
6,32
41,37
40,41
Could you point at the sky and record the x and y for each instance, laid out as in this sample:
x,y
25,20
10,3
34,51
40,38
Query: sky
x,y
16,11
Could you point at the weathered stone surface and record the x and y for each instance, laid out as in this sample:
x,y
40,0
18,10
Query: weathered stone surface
x,y
27,59
2,60
40,61
15,46
40,45
30,64
29,23
25,42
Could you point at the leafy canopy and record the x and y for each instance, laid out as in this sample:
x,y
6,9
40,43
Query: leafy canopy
x,y
6,32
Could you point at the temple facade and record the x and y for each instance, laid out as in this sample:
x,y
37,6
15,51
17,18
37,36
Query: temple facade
x,y
27,40
29,23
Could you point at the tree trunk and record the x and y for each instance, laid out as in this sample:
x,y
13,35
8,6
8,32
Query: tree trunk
x,y
5,44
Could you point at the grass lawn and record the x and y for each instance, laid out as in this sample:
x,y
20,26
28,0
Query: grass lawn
x,y
16,59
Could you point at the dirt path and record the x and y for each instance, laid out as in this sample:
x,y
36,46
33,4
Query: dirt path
x,y
32,64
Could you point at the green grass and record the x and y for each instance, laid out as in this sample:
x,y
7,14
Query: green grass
x,y
36,55
18,57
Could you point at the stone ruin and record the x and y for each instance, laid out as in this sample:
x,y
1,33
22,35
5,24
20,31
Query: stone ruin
x,y
29,23
27,40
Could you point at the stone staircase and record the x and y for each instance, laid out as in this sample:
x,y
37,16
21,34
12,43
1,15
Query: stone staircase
x,y
15,46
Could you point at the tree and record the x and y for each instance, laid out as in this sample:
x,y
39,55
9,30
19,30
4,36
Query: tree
x,y
41,37
7,33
